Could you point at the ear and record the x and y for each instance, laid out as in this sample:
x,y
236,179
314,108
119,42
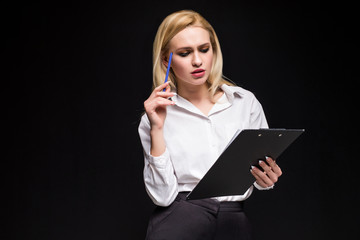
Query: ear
x,y
165,61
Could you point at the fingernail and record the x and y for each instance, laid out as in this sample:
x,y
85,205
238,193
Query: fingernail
x,y
252,167
174,93
269,159
260,162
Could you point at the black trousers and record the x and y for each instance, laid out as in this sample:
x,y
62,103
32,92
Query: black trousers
x,y
203,219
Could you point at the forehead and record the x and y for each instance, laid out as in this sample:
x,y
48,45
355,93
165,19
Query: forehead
x,y
191,36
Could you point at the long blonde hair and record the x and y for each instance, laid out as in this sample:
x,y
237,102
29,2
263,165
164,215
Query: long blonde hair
x,y
173,24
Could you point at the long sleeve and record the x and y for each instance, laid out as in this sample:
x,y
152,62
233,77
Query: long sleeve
x,y
194,141
159,177
257,115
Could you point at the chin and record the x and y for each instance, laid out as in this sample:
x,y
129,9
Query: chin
x,y
198,82
194,81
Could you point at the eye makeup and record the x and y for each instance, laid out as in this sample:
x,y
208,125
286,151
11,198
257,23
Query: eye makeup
x,y
185,51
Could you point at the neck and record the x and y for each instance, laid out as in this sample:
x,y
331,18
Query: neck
x,y
194,94
199,96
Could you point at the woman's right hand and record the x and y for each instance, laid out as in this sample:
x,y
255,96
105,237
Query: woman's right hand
x,y
155,105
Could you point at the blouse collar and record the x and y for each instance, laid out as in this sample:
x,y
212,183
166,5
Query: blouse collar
x,y
223,102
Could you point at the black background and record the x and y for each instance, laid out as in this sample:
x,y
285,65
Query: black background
x,y
75,78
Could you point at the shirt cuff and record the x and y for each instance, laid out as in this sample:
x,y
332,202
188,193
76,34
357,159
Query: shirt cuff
x,y
159,161
263,188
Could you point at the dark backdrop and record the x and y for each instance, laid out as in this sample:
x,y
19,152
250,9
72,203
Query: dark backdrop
x,y
73,87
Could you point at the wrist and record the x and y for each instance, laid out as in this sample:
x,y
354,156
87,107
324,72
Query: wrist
x,y
156,131
157,142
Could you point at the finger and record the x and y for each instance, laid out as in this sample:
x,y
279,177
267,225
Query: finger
x,y
166,94
159,102
264,166
271,162
162,86
258,179
274,166
151,105
168,88
263,177
269,171
158,89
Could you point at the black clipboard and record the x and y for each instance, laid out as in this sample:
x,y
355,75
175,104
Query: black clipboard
x,y
230,174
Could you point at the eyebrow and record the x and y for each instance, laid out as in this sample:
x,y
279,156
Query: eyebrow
x,y
190,48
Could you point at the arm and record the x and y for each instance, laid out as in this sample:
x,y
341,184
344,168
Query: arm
x,y
155,108
159,177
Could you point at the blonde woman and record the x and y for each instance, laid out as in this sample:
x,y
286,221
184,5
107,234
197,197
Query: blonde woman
x,y
185,129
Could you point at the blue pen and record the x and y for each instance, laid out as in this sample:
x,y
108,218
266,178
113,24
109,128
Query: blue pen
x,y
168,69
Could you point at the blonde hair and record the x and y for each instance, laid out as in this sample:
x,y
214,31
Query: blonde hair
x,y
173,24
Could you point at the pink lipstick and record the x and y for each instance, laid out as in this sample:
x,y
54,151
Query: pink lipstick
x,y
198,73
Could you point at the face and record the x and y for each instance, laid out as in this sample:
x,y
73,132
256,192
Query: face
x,y
192,56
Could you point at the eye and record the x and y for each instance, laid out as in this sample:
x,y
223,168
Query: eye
x,y
204,50
183,54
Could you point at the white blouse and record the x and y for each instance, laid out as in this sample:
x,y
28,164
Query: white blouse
x,y
194,141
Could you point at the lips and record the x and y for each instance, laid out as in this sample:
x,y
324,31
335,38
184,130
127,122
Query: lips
x,y
198,73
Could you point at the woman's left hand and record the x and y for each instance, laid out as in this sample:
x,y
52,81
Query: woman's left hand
x,y
269,176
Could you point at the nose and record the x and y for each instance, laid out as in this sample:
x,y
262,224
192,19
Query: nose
x,y
196,60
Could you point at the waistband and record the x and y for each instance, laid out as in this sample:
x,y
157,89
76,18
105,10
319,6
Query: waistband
x,y
226,206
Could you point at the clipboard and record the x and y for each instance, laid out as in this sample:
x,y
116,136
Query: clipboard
x,y
230,174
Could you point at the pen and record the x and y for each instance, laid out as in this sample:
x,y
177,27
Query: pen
x,y
168,69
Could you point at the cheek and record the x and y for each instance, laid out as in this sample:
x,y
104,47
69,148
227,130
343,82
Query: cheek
x,y
209,60
179,66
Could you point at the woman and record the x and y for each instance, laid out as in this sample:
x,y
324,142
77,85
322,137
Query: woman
x,y
185,129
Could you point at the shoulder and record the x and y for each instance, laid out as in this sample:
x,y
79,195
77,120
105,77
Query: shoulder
x,y
243,97
237,92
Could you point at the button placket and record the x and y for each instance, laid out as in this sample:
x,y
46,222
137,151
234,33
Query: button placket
x,y
211,133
